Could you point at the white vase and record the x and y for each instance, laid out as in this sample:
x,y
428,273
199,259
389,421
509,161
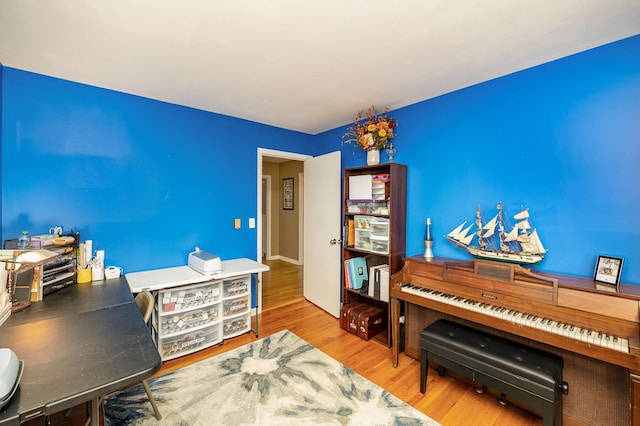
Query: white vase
x,y
373,157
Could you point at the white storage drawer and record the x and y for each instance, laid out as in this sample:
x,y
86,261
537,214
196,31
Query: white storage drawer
x,y
189,297
235,306
236,286
236,325
362,239
379,227
178,322
188,342
380,245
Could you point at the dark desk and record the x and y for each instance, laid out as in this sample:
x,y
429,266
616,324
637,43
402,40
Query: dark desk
x,y
77,345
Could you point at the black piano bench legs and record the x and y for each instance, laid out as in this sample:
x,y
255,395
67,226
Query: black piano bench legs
x,y
528,375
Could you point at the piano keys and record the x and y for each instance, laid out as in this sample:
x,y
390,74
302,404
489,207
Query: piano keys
x,y
523,318
597,332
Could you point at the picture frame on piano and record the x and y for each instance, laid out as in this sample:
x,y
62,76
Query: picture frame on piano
x,y
608,270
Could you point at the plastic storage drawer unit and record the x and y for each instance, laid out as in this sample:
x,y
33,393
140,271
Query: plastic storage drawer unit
x,y
237,286
190,297
236,325
178,322
188,342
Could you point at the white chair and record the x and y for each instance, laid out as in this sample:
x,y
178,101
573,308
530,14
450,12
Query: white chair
x,y
144,300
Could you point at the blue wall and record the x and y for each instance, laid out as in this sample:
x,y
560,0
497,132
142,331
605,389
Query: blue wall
x,y
562,139
145,180
148,180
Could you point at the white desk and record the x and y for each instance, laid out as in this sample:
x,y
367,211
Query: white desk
x,y
159,279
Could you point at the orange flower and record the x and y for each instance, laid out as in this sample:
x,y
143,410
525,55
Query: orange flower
x,y
372,133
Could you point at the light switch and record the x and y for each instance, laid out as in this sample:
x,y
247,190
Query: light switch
x,y
252,222
236,223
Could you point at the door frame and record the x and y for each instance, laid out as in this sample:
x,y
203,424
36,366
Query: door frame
x,y
266,197
285,155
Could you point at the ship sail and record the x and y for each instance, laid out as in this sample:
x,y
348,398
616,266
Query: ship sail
x,y
535,241
511,235
455,234
524,214
460,235
490,227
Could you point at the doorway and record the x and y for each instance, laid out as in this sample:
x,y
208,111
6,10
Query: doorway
x,y
280,235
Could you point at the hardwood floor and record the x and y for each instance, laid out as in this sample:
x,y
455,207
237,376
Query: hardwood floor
x,y
281,284
448,401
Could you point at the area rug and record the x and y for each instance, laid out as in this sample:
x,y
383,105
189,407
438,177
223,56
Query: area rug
x,y
277,380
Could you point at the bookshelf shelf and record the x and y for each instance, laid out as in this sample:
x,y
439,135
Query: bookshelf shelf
x,y
374,212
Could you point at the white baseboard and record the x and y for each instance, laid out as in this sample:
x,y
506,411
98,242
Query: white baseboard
x,y
286,259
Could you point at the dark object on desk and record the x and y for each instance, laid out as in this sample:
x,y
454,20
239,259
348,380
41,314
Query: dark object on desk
x,y
19,286
529,375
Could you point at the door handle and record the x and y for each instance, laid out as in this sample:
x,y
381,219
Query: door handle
x,y
334,242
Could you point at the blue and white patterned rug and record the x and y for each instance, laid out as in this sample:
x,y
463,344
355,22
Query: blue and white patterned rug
x,y
277,380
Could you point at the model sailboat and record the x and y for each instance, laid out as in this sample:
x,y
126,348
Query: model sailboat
x,y
496,241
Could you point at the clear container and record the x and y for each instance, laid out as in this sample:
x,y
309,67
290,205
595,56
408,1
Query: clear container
x,y
236,325
24,240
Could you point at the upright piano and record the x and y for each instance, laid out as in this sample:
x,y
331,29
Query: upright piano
x,y
594,328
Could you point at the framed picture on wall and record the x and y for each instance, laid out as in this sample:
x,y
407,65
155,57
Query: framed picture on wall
x,y
608,270
287,194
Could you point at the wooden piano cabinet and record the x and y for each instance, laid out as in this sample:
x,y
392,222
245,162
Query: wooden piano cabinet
x,y
634,398
604,383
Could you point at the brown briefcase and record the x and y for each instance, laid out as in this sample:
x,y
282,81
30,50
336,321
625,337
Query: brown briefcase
x,y
349,316
371,321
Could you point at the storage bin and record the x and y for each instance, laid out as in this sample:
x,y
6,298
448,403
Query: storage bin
x,y
368,206
188,342
236,286
189,297
379,245
362,239
235,306
379,227
170,324
236,325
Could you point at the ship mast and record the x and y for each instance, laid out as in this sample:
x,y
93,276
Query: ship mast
x,y
479,225
503,245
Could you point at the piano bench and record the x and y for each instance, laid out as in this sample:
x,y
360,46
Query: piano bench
x,y
528,375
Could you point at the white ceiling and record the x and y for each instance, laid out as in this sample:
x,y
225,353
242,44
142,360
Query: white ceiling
x,y
302,65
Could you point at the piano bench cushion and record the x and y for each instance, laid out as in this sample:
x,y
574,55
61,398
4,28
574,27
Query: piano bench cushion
x,y
524,373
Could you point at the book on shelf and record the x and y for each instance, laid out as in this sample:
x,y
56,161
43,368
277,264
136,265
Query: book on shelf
x,y
379,282
357,271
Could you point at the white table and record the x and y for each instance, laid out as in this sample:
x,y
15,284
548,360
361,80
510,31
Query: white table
x,y
160,279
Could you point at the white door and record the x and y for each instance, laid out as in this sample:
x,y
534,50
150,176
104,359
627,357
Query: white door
x,y
322,232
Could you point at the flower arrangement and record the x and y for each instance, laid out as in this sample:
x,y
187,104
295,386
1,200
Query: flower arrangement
x,y
371,130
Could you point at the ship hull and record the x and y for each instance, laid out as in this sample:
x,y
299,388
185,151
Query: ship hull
x,y
504,256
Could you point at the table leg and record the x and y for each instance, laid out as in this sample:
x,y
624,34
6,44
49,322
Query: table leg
x,y
257,303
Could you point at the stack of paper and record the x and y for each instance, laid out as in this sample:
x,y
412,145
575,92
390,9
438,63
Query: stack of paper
x,y
361,187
